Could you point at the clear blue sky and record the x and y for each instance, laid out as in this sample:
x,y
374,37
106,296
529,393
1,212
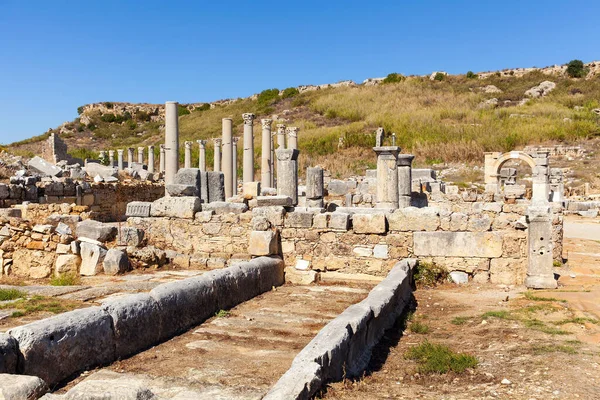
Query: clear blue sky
x,y
57,55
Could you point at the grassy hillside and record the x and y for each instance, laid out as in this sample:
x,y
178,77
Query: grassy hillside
x,y
435,120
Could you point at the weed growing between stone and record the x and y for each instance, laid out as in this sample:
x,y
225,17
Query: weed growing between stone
x,y
222,314
10,294
439,359
533,297
65,280
429,274
40,304
419,327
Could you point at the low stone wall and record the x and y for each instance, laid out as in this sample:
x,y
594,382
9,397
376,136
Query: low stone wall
x,y
343,347
57,347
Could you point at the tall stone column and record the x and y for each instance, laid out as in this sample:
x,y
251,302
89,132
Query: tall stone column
x,y
130,159
111,158
188,155
272,185
404,179
314,187
540,179
234,167
292,137
217,155
227,160
287,173
141,155
120,159
161,158
265,165
202,155
540,261
387,176
171,141
281,136
248,172
151,159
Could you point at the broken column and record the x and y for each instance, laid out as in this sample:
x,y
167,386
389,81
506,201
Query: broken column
x,y
111,158
120,159
227,158
540,179
265,165
557,185
217,156
248,163
235,165
314,187
202,155
151,159
141,155
287,173
281,136
130,160
161,158
188,154
292,137
387,176
404,179
540,261
171,141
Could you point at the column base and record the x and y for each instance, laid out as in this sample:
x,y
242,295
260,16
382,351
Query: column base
x,y
388,205
541,282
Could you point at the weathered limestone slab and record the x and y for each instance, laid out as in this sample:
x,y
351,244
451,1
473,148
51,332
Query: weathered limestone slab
x,y
188,176
96,230
175,207
299,219
21,387
336,187
67,264
222,207
177,190
274,214
216,186
268,201
138,209
251,189
458,244
44,167
10,212
95,169
8,354
130,236
263,243
338,221
92,256
369,223
57,347
299,277
116,262
36,264
411,219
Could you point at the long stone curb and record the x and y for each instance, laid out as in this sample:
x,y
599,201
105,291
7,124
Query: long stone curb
x,y
343,347
56,348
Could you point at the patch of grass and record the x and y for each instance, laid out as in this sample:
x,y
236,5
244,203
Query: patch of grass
x,y
577,320
11,294
553,348
430,274
222,314
533,297
65,280
460,320
41,304
419,327
439,359
498,314
538,325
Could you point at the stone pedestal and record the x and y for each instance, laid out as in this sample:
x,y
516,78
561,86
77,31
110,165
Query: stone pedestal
x,y
111,158
151,159
314,187
287,173
265,165
227,158
187,155
202,155
248,166
235,166
161,158
404,179
292,137
540,261
171,141
387,176
217,156
130,159
141,155
120,159
280,136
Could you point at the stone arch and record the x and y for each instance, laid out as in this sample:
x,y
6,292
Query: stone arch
x,y
513,155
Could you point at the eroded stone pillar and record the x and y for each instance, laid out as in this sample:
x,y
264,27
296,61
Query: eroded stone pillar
x,y
540,259
281,136
387,176
141,155
227,158
248,163
265,165
234,167
217,155
540,182
287,173
161,158
273,158
151,159
171,142
188,154
404,179
292,137
202,155
314,187
130,159
489,174
120,159
111,158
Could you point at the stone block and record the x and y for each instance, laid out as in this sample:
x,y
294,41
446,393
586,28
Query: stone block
x,y
130,236
299,219
175,207
94,169
337,188
57,347
4,191
270,201
188,176
274,214
21,387
339,221
67,264
459,277
8,355
92,256
362,251
260,223
178,190
479,223
263,243
380,251
369,223
216,186
10,213
36,264
138,209
508,271
414,219
251,189
300,277
320,221
96,230
43,167
115,262
222,207
458,244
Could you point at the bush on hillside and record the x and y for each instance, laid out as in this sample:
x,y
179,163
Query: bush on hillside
x,y
576,69
439,76
471,75
80,110
181,110
267,97
290,92
142,116
394,77
109,105
203,107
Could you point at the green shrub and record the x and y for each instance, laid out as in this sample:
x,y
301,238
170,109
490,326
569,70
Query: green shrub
x,y
109,105
181,110
11,294
471,75
419,327
429,274
203,107
394,77
83,153
439,77
439,359
267,97
576,69
142,116
64,280
80,110
290,92
108,118
460,320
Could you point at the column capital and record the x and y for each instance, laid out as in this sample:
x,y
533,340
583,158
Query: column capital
x,y
188,144
111,152
151,147
201,143
120,151
140,148
287,154
280,128
218,141
130,149
405,160
266,123
162,148
235,139
292,131
248,118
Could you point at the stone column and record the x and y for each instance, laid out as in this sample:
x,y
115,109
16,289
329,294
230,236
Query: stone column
x,y
120,159
217,156
287,173
540,261
141,155
111,158
540,179
489,175
171,142
202,155
248,171
234,167
314,187
272,160
292,137
102,154
265,164
151,159
387,176
281,136
130,161
404,179
161,159
188,155
227,160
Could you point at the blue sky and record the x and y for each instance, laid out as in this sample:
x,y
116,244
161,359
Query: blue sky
x,y
57,55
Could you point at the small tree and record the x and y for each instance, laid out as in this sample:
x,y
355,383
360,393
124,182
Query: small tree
x,y
440,76
471,75
394,77
576,69
181,110
290,92
80,110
